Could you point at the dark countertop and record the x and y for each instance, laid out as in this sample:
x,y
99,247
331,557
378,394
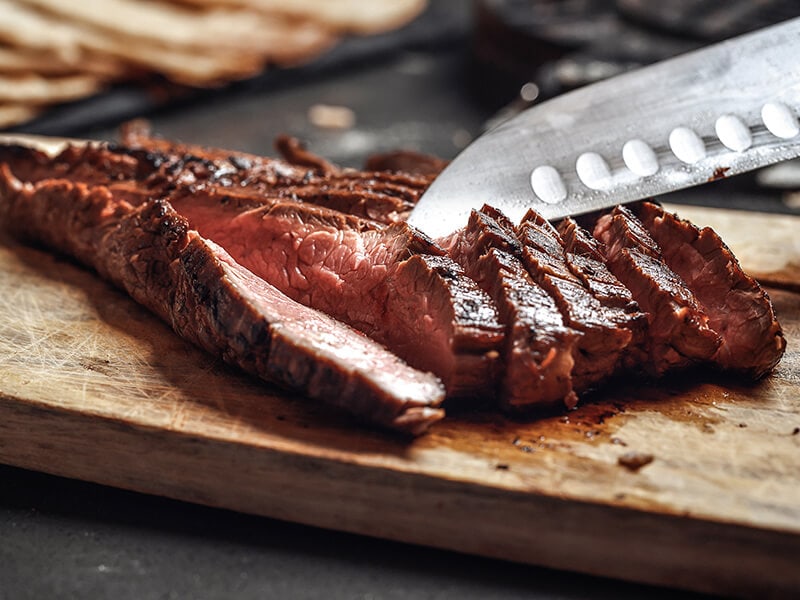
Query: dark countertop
x,y
70,539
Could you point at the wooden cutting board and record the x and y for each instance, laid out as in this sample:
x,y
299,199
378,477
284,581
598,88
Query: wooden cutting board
x,y
93,387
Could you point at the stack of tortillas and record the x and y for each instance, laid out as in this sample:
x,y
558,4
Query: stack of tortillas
x,y
54,51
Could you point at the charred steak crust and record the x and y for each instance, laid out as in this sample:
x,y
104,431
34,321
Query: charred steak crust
x,y
155,171
538,352
381,195
678,331
151,252
606,331
407,163
587,263
737,306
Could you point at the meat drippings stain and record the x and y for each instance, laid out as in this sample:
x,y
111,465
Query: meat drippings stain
x,y
719,173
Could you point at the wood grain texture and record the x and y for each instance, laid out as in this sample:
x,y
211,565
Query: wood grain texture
x,y
94,387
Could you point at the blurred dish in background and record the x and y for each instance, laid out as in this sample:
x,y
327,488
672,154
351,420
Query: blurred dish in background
x,y
707,19
53,51
559,45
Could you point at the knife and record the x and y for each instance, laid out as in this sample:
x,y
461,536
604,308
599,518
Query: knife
x,y
712,113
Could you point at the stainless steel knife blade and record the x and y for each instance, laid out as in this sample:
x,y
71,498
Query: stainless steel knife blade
x,y
715,112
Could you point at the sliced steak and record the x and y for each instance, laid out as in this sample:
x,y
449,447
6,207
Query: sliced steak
x,y
736,305
151,252
539,348
530,312
153,172
389,282
383,196
678,331
587,263
607,331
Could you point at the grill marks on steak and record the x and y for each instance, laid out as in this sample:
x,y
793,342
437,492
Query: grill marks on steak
x,y
737,307
151,252
587,263
389,282
538,351
384,196
678,332
606,331
156,169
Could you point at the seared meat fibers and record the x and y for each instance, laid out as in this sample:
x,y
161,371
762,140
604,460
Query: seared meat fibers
x,y
587,262
253,180
607,331
678,332
382,196
539,348
384,281
151,252
737,307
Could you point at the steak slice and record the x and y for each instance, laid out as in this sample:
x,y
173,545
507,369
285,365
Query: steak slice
x,y
383,196
151,252
137,134
587,263
539,348
678,331
737,306
388,282
607,331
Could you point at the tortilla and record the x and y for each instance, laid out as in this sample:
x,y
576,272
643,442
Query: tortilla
x,y
13,114
42,62
203,65
35,89
344,16
53,51
169,25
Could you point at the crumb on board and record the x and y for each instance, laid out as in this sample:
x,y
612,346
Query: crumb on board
x,y
633,461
